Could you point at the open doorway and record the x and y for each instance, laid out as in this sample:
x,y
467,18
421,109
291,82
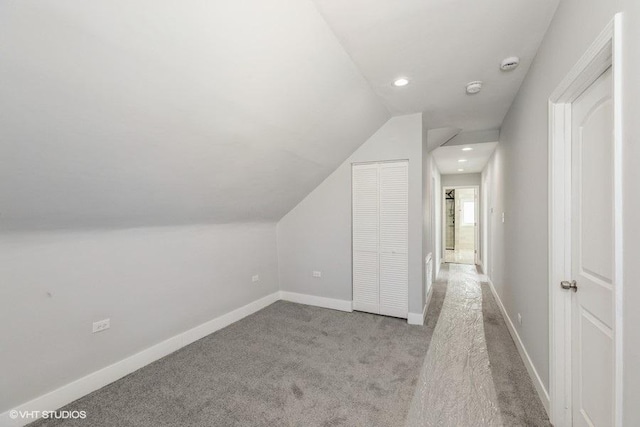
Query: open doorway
x,y
460,233
460,167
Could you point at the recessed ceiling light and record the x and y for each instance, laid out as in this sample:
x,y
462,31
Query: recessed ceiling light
x,y
462,160
467,149
401,82
460,170
474,87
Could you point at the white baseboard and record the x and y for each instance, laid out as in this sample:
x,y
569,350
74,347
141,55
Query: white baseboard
x,y
85,385
415,319
81,387
426,304
533,373
334,304
418,318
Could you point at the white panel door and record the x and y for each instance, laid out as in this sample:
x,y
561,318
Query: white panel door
x,y
592,350
365,237
394,234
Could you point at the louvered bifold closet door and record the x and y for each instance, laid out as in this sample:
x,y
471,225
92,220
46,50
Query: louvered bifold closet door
x,y
365,238
394,236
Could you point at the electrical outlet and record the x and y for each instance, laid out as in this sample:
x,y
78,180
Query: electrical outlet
x,y
503,217
255,278
317,274
101,325
519,319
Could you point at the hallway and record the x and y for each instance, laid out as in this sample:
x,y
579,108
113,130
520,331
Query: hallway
x,y
472,374
460,256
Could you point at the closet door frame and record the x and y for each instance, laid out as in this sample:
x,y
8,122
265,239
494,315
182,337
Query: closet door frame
x,y
378,308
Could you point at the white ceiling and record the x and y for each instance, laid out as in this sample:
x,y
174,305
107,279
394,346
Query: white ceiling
x,y
152,112
146,112
441,45
447,158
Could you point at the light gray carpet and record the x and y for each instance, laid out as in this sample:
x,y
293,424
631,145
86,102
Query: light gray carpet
x,y
287,365
518,400
296,365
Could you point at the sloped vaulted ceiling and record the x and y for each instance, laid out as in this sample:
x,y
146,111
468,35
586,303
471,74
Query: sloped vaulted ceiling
x,y
148,112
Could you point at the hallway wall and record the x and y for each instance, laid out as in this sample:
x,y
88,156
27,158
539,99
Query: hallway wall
x,y
437,233
492,177
461,179
517,177
428,215
432,203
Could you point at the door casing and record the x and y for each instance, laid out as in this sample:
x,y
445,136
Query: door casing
x,y
476,189
604,52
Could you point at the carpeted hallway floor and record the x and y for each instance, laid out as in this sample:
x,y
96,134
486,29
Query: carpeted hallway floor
x,y
473,374
296,365
456,387
518,401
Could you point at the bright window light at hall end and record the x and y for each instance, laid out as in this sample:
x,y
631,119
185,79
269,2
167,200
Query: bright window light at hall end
x,y
402,81
460,170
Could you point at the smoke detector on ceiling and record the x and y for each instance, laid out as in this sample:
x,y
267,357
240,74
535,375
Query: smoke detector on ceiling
x,y
474,87
510,63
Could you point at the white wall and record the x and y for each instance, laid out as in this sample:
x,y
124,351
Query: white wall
x,y
485,212
432,231
316,234
492,176
427,214
432,206
518,176
436,201
461,179
153,283
437,233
